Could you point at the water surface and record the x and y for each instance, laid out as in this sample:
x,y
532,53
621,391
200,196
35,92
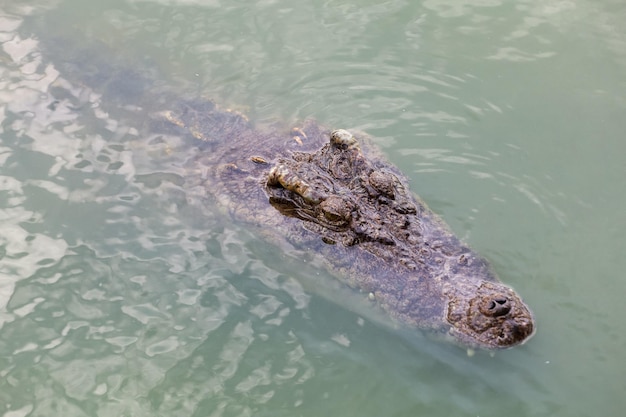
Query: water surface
x,y
123,292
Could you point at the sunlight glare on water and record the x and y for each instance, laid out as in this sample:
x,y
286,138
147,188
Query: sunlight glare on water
x,y
125,290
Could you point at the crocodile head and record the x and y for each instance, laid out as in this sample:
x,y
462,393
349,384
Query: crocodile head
x,y
342,195
487,314
396,248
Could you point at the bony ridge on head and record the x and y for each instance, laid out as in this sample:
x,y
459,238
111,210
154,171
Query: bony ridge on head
x,y
343,139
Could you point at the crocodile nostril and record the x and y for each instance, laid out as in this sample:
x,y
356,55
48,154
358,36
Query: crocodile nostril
x,y
498,306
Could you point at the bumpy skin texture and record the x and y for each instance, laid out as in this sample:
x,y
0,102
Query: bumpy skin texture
x,y
327,193
312,192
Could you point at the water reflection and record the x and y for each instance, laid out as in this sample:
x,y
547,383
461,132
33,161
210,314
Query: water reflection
x,y
123,291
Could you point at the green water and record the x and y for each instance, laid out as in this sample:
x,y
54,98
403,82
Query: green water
x,y
123,293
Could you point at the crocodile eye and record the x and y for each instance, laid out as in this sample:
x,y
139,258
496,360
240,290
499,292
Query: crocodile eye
x,y
333,217
336,210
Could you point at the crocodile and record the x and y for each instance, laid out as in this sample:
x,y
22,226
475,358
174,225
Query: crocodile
x,y
333,194
329,193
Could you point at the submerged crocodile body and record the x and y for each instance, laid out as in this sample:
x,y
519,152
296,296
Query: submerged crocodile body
x,y
331,194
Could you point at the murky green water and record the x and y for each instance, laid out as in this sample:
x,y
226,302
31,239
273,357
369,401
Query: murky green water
x,y
123,293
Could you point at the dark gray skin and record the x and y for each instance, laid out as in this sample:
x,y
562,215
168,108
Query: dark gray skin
x,y
327,193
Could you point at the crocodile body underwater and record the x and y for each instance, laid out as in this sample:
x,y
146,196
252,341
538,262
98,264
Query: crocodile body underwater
x,y
335,195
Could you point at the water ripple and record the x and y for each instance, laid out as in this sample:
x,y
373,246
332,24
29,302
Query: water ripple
x,y
123,292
